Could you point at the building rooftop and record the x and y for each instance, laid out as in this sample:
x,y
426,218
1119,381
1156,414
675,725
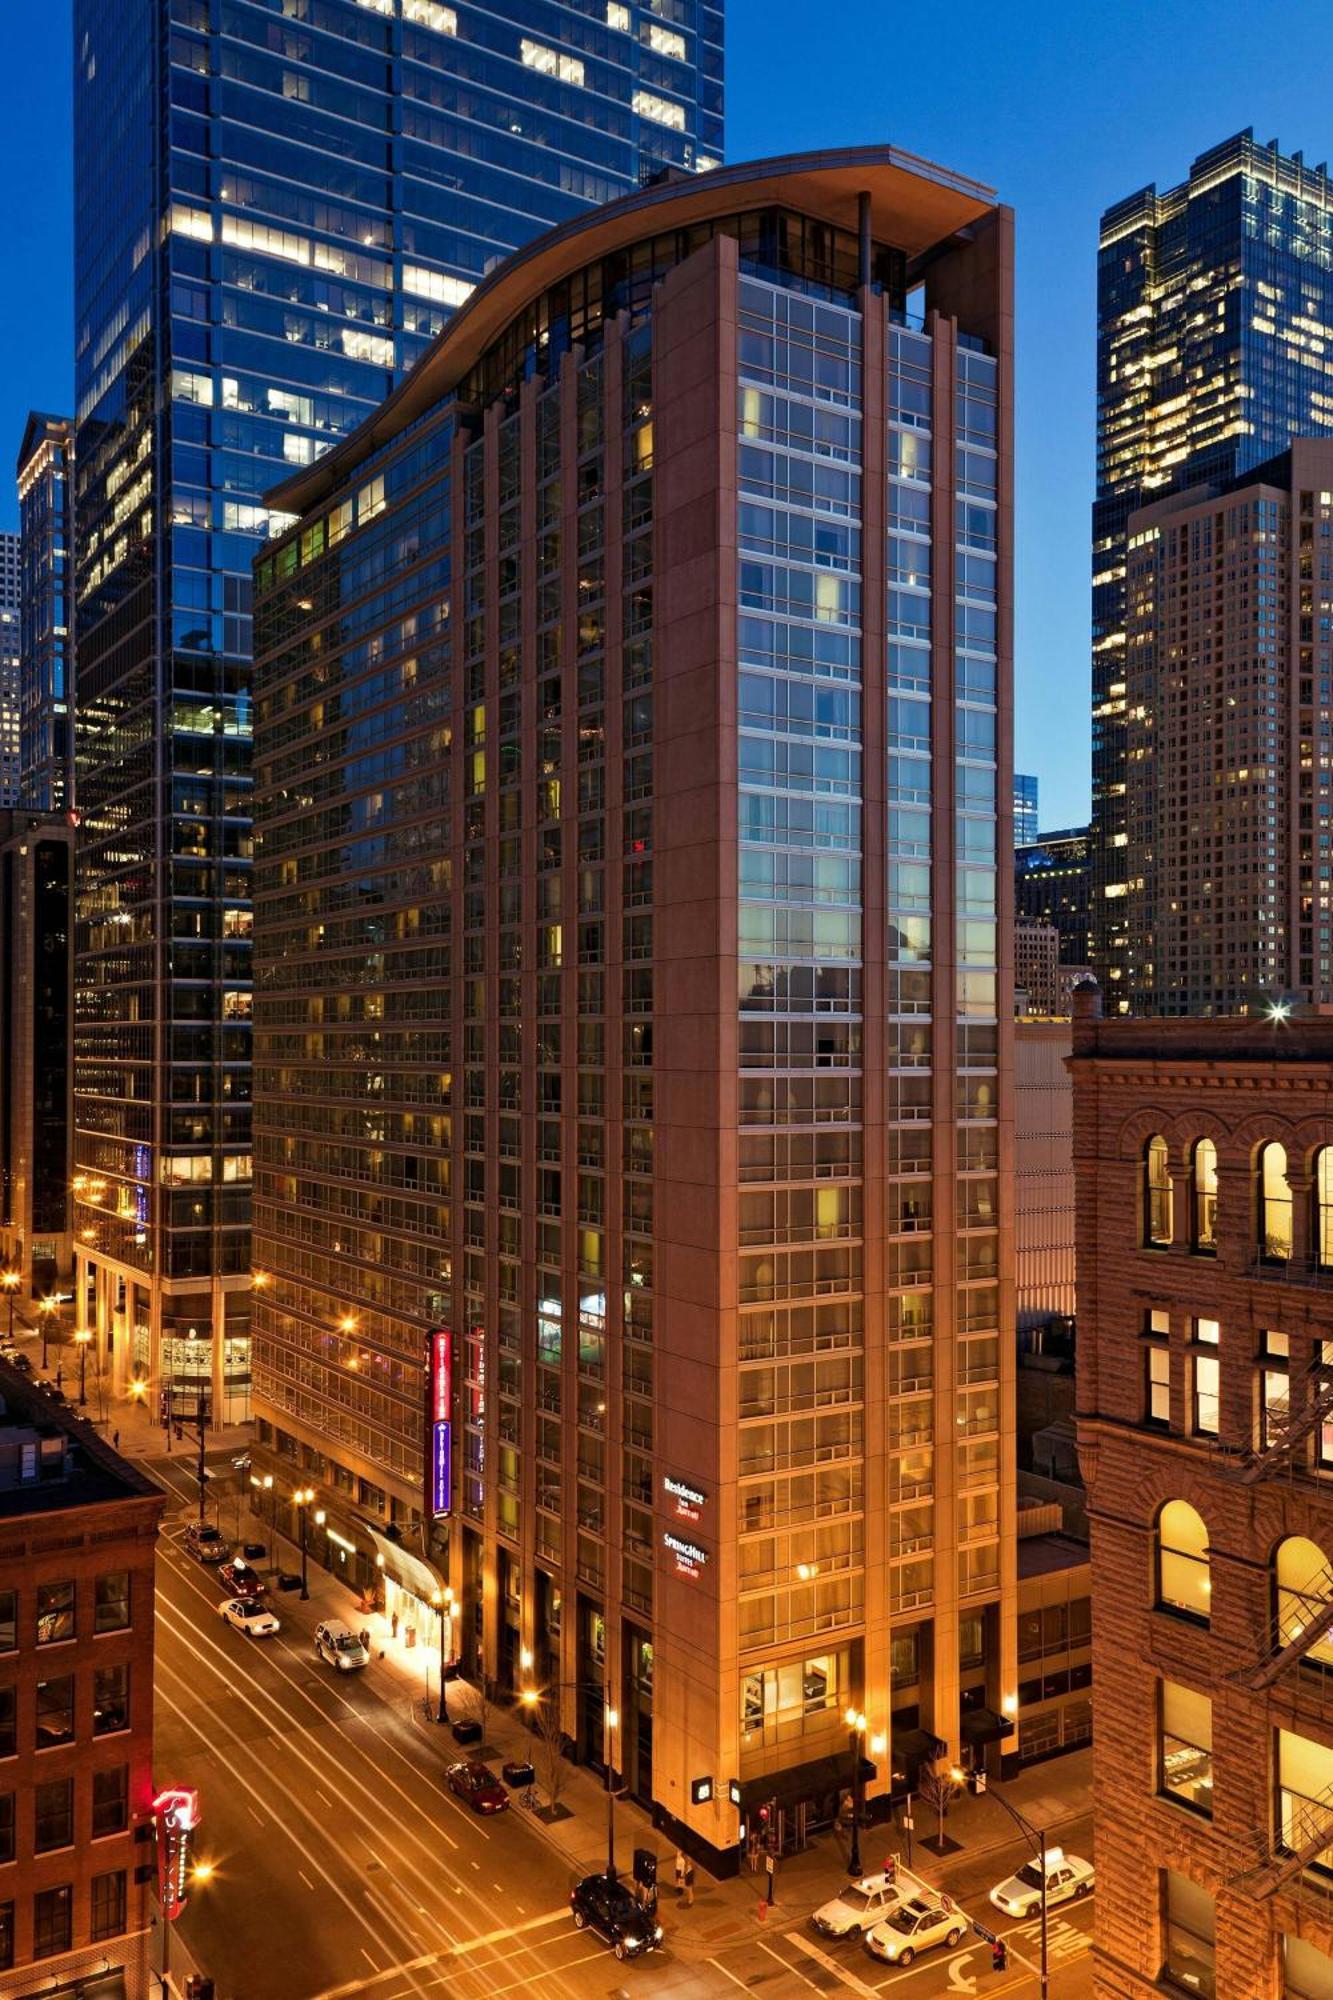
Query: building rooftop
x,y
1042,1555
914,206
51,1459
1270,1040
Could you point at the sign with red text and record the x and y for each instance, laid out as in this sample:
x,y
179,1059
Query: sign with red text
x,y
439,1425
177,1815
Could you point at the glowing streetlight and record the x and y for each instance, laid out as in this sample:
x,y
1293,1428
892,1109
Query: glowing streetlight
x,y
301,1499
82,1337
10,1280
856,1725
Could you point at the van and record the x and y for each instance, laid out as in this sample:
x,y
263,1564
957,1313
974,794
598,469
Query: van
x,y
339,1646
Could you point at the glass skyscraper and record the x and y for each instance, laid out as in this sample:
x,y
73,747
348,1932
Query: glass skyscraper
x,y
277,208
46,499
1214,349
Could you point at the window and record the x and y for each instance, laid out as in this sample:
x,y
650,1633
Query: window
x,y
776,1702
7,1817
1189,1922
53,1817
1157,1385
1305,1779
1323,1194
55,1613
111,1800
1203,1185
111,1700
112,1612
1274,1204
1187,1747
1157,1193
52,1917
1304,1589
1183,1579
8,1722
9,1620
6,1936
109,1909
1309,1972
55,1711
1207,1377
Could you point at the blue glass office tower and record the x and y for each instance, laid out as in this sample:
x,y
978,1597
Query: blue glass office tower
x,y
1026,808
1214,350
278,203
46,499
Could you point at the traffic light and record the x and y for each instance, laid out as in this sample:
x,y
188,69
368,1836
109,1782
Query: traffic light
x,y
999,1956
890,1868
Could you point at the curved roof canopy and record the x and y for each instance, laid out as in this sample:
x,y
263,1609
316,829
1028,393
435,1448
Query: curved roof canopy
x,y
913,207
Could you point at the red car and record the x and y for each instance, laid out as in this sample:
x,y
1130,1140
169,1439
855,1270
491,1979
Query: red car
x,y
478,1787
241,1580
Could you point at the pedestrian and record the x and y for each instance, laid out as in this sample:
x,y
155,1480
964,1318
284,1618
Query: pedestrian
x,y
393,1625
680,1873
689,1885
115,1440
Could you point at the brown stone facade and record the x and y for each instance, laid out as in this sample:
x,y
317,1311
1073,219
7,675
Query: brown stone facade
x,y
1205,1326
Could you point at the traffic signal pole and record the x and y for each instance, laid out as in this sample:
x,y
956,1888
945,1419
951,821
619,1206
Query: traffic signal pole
x,y
1038,1838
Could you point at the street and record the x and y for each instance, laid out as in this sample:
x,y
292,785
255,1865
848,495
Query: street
x,y
343,1867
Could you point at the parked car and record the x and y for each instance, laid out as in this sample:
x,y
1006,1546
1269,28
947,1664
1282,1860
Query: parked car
x,y
607,1908
248,1615
22,1363
915,1927
289,1579
204,1543
339,1646
478,1787
467,1731
241,1462
241,1580
858,1906
1067,1876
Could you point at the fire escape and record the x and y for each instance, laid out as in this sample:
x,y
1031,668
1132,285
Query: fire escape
x,y
1288,1422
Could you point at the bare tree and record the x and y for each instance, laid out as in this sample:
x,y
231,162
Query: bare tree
x,y
938,1789
552,1764
479,1703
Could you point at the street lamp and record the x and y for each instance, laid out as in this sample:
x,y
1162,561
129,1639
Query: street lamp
x,y
265,1485
856,1724
301,1499
83,1337
47,1307
10,1280
612,1724
1038,1838
443,1600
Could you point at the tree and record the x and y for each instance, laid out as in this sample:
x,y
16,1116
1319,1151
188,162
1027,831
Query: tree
x,y
479,1703
938,1789
552,1766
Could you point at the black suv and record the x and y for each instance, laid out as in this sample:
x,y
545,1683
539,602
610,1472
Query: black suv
x,y
607,1907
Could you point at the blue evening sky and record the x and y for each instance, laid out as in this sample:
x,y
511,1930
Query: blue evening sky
x,y
1063,105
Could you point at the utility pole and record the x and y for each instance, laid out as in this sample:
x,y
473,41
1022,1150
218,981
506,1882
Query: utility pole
x,y
1038,1839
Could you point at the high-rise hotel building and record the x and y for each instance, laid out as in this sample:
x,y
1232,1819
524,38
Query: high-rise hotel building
x,y
46,557
276,209
633,926
10,691
1214,321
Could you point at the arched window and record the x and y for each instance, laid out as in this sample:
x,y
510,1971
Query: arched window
x,y
1156,1192
1323,1197
1274,1204
1304,1588
1204,1190
1183,1582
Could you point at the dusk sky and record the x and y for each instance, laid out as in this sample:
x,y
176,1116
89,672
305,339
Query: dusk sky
x,y
1063,108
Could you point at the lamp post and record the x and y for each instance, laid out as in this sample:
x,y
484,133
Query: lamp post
x,y
200,1874
443,1600
301,1499
82,1337
10,1280
47,1307
856,1725
612,1724
265,1485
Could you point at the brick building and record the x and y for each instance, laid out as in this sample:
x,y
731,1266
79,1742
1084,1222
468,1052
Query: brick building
x,y
78,1527
1205,1394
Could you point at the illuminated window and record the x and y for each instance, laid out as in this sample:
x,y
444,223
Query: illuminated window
x,y
429,14
196,222
1189,1932
551,62
1304,1589
1204,1191
1207,1378
1323,1189
617,16
659,109
1184,1580
664,41
1274,1204
1185,1748
1157,1193
434,285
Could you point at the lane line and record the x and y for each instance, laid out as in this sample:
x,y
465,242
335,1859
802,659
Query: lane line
x,y
848,1978
306,1879
728,1975
466,1945
197,1643
794,1970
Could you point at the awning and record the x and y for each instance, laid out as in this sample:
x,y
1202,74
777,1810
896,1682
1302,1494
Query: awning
x,y
911,1749
410,1571
982,1725
822,1779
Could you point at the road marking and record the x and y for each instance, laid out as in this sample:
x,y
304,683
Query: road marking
x,y
369,1960
728,1975
960,1981
255,1815
830,1965
323,1801
793,1970
306,1879
466,1945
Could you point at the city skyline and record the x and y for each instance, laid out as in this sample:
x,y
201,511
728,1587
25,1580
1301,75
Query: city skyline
x,y
1012,111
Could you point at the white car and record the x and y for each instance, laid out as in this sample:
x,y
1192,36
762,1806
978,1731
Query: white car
x,y
1066,1876
858,1906
248,1614
914,1928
